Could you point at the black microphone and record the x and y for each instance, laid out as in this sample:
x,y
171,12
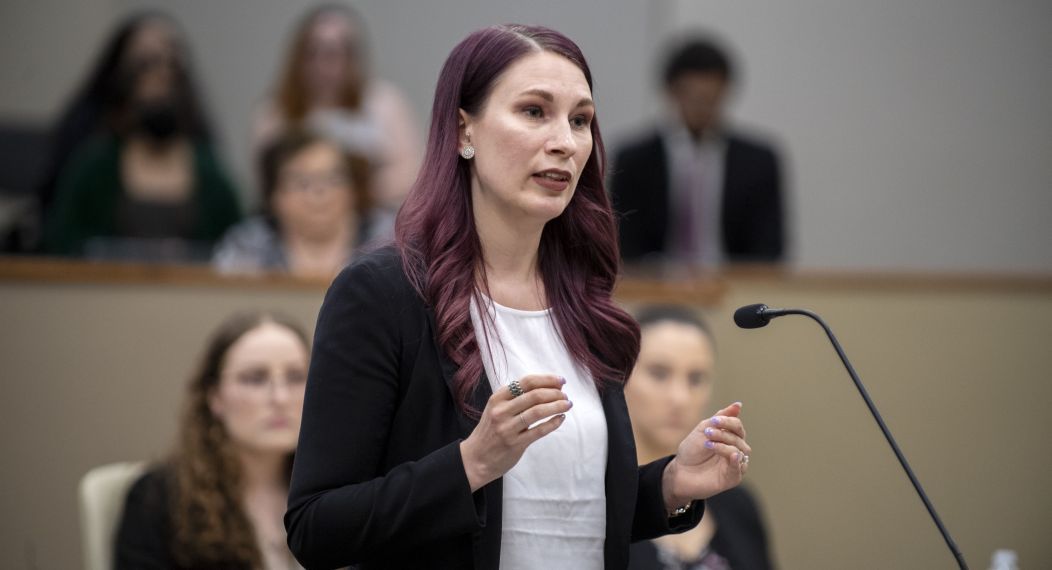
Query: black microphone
x,y
758,315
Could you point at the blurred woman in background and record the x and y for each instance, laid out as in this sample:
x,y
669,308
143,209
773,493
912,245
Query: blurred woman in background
x,y
326,85
217,502
138,177
668,395
316,211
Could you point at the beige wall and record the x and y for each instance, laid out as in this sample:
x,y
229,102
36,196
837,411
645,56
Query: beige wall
x,y
918,129
93,373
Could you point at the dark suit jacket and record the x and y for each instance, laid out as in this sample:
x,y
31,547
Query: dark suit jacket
x,y
378,477
740,535
751,216
145,536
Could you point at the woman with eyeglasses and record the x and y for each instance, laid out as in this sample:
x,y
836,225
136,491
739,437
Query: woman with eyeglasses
x,y
317,212
217,501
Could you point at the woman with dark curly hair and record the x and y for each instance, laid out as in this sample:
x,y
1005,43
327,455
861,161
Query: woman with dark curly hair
x,y
217,501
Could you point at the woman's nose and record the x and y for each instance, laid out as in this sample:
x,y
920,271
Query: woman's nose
x,y
562,141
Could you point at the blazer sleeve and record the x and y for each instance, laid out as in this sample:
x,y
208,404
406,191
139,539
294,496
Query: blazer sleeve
x,y
651,520
344,505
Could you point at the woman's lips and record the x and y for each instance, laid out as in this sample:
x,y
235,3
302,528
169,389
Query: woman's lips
x,y
554,180
278,423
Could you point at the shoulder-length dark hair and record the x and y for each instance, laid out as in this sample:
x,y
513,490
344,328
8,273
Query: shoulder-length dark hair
x,y
578,254
210,526
292,97
289,145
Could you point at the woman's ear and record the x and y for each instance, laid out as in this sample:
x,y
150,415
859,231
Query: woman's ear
x,y
463,129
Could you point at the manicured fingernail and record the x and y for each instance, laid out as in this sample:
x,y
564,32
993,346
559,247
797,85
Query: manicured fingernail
x,y
709,443
739,403
737,455
709,431
562,380
570,402
715,421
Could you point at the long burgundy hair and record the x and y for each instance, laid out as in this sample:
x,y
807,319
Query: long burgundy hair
x,y
578,254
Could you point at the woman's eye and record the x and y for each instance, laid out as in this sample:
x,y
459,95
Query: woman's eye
x,y
696,379
533,112
253,377
296,376
580,122
659,373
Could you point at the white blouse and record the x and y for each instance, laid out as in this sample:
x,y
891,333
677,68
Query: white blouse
x,y
555,497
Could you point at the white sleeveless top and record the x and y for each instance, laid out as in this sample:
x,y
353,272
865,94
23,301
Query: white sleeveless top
x,y
555,497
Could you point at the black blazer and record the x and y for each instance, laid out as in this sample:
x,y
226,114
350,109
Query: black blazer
x,y
378,478
740,535
751,216
145,537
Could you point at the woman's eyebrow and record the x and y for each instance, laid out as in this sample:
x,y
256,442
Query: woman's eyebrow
x,y
547,96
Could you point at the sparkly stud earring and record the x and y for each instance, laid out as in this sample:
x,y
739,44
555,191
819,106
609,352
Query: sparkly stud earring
x,y
468,152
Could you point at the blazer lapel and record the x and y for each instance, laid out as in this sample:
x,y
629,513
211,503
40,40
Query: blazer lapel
x,y
449,368
621,473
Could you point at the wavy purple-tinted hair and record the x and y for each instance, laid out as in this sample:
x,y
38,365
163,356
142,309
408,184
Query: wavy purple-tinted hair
x,y
578,255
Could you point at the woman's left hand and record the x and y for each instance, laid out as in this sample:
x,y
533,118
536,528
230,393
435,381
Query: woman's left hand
x,y
712,459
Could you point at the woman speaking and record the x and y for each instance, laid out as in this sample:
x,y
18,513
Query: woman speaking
x,y
465,405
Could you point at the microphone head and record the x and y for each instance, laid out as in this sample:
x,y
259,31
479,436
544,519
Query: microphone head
x,y
751,316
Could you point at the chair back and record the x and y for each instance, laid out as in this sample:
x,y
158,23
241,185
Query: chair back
x,y
102,493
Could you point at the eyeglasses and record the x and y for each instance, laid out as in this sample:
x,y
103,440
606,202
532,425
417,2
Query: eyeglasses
x,y
262,380
302,182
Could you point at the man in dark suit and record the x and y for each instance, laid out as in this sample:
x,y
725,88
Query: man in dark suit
x,y
693,191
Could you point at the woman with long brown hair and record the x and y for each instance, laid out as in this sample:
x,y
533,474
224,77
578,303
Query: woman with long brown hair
x,y
217,501
326,86
465,406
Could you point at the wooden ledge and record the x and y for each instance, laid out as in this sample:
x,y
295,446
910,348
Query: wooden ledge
x,y
691,287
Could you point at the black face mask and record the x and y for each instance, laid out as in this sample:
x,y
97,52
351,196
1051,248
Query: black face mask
x,y
158,120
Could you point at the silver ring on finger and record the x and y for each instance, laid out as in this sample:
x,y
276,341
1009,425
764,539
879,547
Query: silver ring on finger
x,y
743,460
515,388
525,425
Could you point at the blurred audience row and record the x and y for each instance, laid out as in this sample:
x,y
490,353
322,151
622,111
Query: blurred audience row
x,y
217,501
134,172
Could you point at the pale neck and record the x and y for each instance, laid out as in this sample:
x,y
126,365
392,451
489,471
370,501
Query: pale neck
x,y
509,249
263,470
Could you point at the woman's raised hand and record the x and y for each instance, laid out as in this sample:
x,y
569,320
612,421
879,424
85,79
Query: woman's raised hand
x,y
713,458
503,433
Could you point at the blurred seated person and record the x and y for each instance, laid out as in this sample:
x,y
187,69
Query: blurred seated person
x,y
147,185
219,499
326,85
695,191
93,106
316,206
667,395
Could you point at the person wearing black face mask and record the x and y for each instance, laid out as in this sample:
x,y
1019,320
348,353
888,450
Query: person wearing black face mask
x,y
148,187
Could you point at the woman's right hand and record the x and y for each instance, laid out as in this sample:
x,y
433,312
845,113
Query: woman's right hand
x,y
503,433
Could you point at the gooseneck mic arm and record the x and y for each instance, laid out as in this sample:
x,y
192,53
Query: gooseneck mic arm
x,y
756,316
